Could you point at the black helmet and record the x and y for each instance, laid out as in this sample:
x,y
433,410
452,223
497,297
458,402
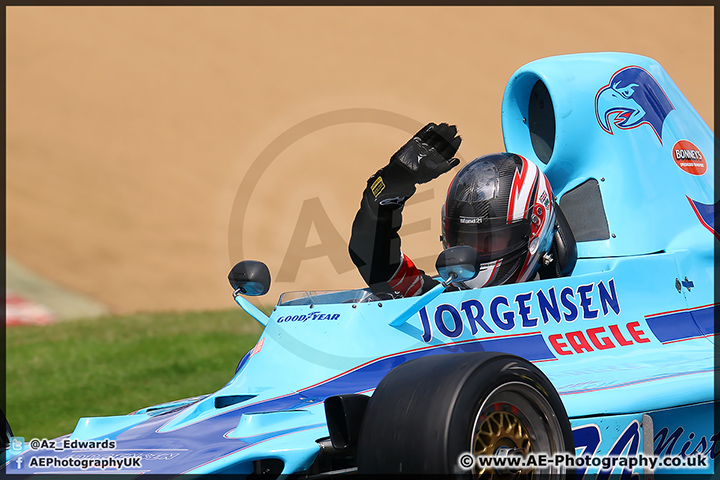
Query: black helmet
x,y
501,204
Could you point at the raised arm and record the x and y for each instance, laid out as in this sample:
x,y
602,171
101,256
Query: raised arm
x,y
375,244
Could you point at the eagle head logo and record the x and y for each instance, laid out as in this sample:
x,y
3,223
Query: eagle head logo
x,y
632,98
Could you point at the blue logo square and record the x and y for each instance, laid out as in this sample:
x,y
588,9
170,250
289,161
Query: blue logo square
x,y
17,443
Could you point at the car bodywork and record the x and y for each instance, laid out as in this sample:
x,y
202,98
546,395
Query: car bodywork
x,y
626,339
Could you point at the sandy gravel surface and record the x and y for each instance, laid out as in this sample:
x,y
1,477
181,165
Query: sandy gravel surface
x,y
149,148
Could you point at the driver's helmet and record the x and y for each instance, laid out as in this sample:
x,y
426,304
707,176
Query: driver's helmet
x,y
502,205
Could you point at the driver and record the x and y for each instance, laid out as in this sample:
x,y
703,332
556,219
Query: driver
x,y
501,204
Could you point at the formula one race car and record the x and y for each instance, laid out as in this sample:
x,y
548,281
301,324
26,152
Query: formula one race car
x,y
605,371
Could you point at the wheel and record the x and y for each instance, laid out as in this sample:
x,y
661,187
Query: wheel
x,y
427,413
8,431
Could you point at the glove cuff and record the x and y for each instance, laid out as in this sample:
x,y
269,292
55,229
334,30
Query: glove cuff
x,y
391,185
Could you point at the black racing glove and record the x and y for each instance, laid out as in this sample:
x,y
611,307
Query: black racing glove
x,y
426,156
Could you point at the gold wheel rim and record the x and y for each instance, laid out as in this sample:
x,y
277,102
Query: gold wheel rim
x,y
501,431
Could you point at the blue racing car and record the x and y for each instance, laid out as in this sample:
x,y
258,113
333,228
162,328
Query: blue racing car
x,y
605,371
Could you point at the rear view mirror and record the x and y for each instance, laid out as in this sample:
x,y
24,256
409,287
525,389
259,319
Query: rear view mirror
x,y
458,264
250,277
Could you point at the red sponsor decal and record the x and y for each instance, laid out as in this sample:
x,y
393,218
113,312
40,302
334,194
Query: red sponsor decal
x,y
597,338
689,158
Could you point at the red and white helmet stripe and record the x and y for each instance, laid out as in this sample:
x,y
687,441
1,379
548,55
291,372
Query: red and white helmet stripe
x,y
521,190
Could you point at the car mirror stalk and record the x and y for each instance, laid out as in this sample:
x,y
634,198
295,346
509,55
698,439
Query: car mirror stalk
x,y
252,278
455,264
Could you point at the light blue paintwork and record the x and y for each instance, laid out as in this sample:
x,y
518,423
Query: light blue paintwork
x,y
644,190
616,338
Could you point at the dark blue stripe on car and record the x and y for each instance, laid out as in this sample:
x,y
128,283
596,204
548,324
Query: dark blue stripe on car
x,y
705,319
530,347
683,325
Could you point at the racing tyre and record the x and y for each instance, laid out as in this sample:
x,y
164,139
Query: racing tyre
x,y
8,431
436,414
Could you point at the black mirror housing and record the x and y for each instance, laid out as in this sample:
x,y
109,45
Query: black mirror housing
x,y
250,277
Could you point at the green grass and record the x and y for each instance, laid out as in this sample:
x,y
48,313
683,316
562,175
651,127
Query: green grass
x,y
117,364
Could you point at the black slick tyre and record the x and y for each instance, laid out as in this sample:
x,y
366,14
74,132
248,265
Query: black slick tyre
x,y
429,413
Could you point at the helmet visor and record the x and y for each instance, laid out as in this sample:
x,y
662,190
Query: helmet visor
x,y
493,238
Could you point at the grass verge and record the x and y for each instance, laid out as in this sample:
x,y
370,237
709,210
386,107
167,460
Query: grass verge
x,y
113,365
